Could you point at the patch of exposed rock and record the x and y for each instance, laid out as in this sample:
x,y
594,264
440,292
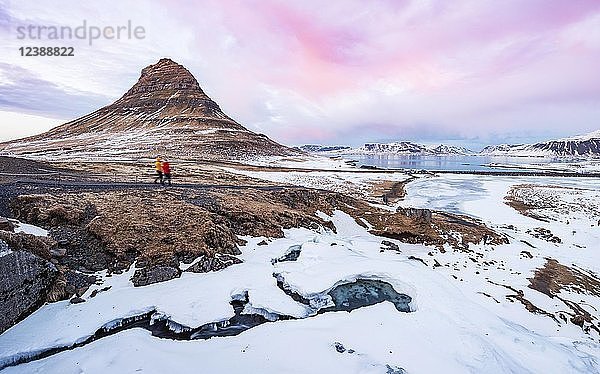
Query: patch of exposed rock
x,y
91,231
424,226
544,234
25,281
558,281
554,277
554,203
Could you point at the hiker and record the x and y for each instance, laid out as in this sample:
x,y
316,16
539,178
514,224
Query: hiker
x,y
159,171
166,169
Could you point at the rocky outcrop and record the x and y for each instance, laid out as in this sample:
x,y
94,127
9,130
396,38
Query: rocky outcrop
x,y
92,231
25,280
39,245
165,112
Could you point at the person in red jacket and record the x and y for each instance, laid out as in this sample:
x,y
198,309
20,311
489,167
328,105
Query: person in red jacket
x,y
166,169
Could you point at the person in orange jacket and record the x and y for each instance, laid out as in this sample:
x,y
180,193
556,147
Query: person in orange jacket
x,y
166,169
159,171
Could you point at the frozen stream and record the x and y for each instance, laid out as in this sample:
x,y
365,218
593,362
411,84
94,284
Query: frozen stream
x,y
344,297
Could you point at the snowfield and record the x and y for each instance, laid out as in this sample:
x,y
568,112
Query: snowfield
x,y
348,182
468,309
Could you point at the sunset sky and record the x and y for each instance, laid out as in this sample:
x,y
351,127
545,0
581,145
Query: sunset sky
x,y
331,72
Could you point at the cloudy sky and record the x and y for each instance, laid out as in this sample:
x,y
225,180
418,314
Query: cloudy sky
x,y
345,72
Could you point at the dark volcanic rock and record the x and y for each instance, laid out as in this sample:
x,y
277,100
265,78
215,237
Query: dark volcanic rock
x,y
339,347
25,280
388,245
216,263
77,300
146,276
6,225
78,283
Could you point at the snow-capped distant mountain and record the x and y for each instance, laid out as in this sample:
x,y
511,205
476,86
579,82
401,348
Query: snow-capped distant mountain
x,y
397,148
587,145
318,148
444,149
410,148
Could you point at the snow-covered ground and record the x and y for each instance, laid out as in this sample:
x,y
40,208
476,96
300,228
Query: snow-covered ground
x,y
350,182
29,229
306,161
463,317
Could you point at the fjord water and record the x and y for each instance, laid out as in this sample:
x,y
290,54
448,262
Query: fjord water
x,y
450,163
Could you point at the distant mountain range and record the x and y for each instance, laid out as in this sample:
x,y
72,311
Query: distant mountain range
x,y
317,148
397,148
587,145
578,146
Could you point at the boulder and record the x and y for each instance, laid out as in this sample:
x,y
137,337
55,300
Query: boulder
x,y
146,276
25,280
219,262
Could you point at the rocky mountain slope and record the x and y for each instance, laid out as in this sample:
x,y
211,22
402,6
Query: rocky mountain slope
x,y
587,145
165,112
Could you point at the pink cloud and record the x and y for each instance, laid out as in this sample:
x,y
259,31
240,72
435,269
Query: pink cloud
x,y
304,71
449,64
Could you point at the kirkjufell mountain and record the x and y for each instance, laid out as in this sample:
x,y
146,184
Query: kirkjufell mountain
x,y
166,112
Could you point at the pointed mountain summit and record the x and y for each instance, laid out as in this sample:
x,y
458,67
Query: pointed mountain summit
x,y
165,112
